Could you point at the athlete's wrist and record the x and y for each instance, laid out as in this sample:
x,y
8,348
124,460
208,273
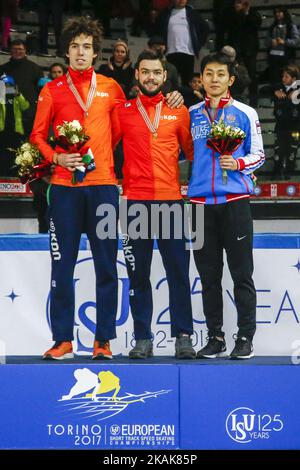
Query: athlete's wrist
x,y
55,158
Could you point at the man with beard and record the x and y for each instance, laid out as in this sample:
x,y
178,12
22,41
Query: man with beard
x,y
152,135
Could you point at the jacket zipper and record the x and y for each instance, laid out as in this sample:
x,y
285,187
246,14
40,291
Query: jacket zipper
x,y
245,183
213,177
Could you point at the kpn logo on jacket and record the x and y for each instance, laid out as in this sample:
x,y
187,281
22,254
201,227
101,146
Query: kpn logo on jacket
x,y
244,425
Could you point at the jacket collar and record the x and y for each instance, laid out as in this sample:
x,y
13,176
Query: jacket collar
x,y
112,66
79,76
151,100
222,103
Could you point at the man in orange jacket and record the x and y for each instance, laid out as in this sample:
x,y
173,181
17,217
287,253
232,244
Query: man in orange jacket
x,y
152,136
89,98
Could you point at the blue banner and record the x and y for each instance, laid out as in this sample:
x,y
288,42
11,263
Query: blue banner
x,y
239,407
62,406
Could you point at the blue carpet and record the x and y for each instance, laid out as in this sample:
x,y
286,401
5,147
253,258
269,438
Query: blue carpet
x,y
258,360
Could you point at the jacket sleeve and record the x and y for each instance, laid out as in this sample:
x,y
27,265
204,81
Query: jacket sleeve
x,y
253,145
119,97
42,122
184,134
202,28
22,102
294,39
253,19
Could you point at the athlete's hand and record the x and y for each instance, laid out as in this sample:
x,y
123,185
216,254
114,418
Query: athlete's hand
x,y
70,161
174,99
280,94
227,162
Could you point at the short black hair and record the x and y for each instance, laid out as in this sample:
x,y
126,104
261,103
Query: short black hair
x,y
149,55
194,75
218,58
57,64
18,42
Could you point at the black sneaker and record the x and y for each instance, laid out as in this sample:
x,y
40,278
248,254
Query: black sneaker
x,y
184,348
143,348
214,348
243,348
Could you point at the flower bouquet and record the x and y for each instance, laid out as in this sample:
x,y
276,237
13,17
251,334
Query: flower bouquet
x,y
72,138
30,163
225,140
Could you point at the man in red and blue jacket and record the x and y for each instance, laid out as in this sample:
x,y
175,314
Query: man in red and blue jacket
x,y
227,218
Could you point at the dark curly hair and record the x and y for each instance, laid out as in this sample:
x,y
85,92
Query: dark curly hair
x,y
74,27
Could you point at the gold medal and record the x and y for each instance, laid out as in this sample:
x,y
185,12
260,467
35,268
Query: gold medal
x,y
155,135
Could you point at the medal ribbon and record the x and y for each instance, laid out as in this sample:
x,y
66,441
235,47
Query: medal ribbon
x,y
151,126
91,93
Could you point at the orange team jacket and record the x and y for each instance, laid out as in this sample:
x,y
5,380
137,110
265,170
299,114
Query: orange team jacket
x,y
57,103
151,170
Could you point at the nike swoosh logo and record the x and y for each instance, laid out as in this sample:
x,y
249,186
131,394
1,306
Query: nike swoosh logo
x,y
241,238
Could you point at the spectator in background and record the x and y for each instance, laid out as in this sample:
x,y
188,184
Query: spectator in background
x,y
287,128
282,42
12,106
185,32
45,9
103,11
56,70
242,80
144,19
242,23
119,66
219,7
146,16
8,14
39,186
26,75
194,93
158,45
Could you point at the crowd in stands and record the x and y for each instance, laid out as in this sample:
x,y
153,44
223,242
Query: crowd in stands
x,y
178,33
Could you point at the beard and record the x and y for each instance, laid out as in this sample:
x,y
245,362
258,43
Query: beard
x,y
150,93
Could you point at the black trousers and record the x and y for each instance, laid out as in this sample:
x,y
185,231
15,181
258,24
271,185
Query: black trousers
x,y
227,226
250,64
184,64
45,10
175,255
285,150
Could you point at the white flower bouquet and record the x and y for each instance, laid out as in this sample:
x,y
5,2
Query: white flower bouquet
x,y
72,138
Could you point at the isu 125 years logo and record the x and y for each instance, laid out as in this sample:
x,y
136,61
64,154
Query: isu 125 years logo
x,y
243,425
